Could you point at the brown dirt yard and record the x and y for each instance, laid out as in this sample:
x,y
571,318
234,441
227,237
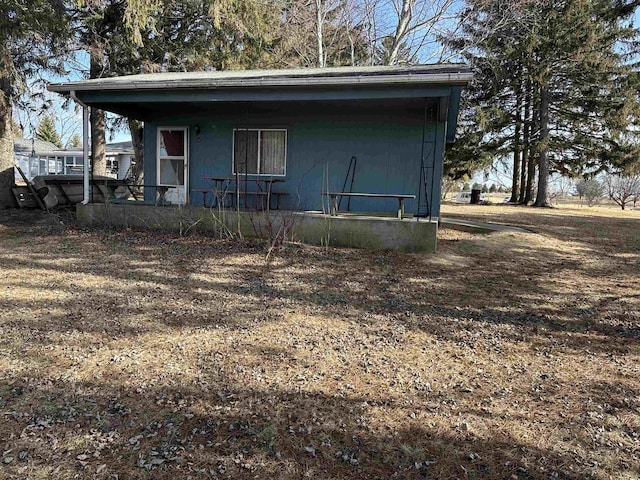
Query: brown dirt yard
x,y
145,355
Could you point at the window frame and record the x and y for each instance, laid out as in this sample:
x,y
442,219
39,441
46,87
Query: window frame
x,y
259,130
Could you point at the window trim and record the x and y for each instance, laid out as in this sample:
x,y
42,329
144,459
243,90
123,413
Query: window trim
x,y
253,129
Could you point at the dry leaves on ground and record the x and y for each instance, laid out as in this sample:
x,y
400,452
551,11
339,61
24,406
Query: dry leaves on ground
x,y
144,355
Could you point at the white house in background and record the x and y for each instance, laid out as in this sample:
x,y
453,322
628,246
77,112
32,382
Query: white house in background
x,y
37,157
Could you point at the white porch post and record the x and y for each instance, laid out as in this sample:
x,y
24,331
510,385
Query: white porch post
x,y
85,154
85,148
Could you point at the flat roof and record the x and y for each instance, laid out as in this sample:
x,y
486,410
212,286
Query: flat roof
x,y
445,73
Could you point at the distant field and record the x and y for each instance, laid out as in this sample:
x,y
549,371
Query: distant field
x,y
503,356
561,202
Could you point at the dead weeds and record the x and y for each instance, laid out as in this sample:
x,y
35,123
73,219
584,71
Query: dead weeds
x,y
143,355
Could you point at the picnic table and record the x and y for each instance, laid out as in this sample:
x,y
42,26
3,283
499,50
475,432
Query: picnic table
x,y
335,197
223,187
68,189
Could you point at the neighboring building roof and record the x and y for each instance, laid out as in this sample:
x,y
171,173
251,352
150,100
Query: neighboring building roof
x,y
24,146
120,147
451,74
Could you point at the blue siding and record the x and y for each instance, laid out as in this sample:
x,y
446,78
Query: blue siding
x,y
385,136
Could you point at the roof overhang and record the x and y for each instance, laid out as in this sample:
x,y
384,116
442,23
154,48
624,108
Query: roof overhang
x,y
142,96
447,74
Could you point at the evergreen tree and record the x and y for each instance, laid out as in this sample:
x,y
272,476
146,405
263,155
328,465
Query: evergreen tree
x,y
32,35
47,131
108,29
74,142
585,94
174,35
551,87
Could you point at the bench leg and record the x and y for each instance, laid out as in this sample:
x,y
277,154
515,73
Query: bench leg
x,y
400,208
334,207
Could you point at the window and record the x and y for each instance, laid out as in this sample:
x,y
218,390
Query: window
x,y
112,166
55,165
259,151
73,165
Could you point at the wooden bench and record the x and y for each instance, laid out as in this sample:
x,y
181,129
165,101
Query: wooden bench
x,y
335,197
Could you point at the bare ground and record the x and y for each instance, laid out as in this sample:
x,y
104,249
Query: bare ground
x,y
144,355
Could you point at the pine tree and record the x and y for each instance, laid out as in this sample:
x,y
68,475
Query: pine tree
x,y
585,97
104,27
171,35
74,142
48,132
551,86
32,34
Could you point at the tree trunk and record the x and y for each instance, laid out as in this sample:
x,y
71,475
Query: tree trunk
x,y
525,142
98,127
542,196
7,160
533,132
402,28
319,34
515,188
98,142
135,128
531,175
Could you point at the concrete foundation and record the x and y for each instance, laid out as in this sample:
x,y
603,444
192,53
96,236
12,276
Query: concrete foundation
x,y
357,231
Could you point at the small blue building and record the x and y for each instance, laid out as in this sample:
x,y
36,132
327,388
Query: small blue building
x,y
305,132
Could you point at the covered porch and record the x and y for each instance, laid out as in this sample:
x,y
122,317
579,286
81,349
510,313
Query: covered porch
x,y
302,144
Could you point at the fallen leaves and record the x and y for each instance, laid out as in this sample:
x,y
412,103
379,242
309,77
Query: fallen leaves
x,y
141,355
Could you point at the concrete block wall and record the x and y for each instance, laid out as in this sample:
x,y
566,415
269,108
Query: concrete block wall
x,y
372,233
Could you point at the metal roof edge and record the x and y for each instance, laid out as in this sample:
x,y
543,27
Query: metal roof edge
x,y
412,78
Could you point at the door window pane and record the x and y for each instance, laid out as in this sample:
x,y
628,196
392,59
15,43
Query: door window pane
x,y
171,143
171,171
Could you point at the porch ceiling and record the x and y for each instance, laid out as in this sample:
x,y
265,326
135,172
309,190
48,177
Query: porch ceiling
x,y
148,99
150,111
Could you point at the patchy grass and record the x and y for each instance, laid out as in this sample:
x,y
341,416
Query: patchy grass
x,y
142,355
